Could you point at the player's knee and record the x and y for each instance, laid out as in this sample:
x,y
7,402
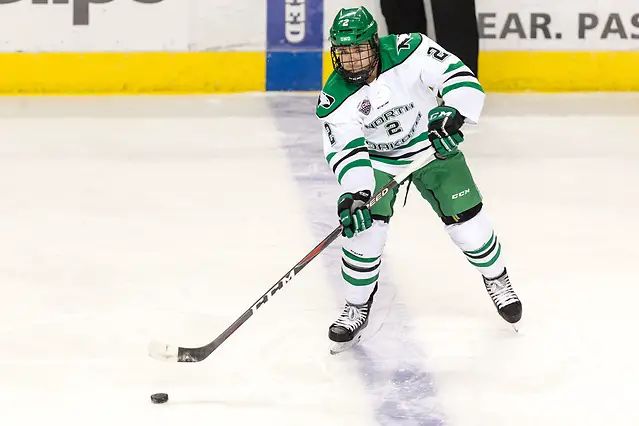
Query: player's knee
x,y
463,216
369,243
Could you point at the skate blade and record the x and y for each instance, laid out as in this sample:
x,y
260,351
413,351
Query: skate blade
x,y
338,347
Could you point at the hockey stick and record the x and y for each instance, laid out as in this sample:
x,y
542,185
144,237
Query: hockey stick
x,y
172,353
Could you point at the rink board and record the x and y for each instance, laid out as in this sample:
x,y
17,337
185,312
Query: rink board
x,y
225,72
513,71
116,73
559,71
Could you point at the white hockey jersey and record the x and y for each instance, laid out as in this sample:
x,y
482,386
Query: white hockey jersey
x,y
382,125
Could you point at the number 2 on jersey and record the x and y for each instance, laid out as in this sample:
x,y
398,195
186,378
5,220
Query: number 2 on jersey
x,y
393,127
434,52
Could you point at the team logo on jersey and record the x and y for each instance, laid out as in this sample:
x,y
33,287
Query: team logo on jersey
x,y
325,100
402,42
365,107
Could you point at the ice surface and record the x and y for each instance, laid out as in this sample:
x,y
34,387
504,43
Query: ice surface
x,y
129,219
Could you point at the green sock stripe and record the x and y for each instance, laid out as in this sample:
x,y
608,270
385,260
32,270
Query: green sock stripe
x,y
360,259
490,262
359,283
484,247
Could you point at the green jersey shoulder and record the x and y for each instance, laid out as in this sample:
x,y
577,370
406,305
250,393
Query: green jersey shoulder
x,y
394,50
333,94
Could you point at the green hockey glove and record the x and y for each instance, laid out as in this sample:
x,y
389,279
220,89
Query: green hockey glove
x,y
444,124
353,214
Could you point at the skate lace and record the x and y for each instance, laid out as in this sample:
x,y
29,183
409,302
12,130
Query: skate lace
x,y
501,292
352,317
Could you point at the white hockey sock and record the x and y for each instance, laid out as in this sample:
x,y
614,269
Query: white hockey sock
x,y
361,259
477,239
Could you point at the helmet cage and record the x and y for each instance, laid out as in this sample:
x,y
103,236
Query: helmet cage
x,y
354,69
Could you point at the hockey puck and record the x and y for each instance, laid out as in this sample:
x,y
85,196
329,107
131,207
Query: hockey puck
x,y
159,398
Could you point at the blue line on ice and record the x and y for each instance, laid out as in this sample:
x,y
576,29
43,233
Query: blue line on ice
x,y
391,365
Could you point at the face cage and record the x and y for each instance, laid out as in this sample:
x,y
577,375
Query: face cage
x,y
361,76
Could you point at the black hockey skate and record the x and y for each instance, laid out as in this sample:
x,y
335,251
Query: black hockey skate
x,y
347,330
504,297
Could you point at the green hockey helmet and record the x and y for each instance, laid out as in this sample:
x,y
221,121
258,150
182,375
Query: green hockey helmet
x,y
354,44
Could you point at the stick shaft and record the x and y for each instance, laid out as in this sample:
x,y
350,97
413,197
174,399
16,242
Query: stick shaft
x,y
201,353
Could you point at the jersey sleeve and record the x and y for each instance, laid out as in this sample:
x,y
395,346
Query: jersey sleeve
x,y
346,152
451,78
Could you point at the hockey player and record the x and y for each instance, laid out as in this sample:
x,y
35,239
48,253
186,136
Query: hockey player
x,y
379,109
